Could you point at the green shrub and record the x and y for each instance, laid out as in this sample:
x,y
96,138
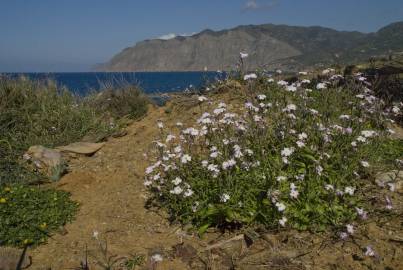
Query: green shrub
x,y
123,101
40,113
291,157
29,215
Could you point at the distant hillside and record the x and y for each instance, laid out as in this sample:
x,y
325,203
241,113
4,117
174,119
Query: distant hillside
x,y
269,46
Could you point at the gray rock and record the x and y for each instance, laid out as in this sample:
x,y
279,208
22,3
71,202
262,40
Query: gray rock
x,y
84,148
46,160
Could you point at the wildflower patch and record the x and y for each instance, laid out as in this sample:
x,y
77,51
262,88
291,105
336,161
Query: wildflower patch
x,y
296,155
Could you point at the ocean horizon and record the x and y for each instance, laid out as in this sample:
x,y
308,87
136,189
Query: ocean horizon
x,y
82,83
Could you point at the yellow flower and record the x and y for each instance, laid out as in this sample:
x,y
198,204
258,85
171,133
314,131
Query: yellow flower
x,y
27,241
3,200
43,225
7,189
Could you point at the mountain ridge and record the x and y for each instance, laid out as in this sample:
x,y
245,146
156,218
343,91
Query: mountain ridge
x,y
268,45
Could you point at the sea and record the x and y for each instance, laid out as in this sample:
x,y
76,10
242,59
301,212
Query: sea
x,y
152,83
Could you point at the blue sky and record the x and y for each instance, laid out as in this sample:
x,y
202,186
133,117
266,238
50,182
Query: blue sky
x,y
73,35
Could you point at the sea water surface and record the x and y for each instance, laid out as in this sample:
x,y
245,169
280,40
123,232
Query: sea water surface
x,y
151,82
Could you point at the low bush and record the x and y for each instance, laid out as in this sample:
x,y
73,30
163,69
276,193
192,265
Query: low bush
x,y
289,156
28,215
123,101
40,113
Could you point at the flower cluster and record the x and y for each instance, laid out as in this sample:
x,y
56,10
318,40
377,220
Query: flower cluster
x,y
290,155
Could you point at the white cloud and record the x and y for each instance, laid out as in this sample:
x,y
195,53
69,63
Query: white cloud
x,y
251,5
167,36
173,35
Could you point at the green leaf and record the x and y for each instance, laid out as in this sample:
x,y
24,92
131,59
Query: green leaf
x,y
202,229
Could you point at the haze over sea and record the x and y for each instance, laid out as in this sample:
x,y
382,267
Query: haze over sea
x,y
151,82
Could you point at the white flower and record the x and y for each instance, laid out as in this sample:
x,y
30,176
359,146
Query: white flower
x,y
257,118
237,151
302,136
369,251
287,151
202,98
218,111
186,158
349,190
160,125
250,76
280,206
177,181
261,97
270,80
368,133
291,88
278,71
249,152
150,169
344,117
313,111
251,107
319,170
321,86
188,193
294,193
389,204
282,83
350,228
361,213
191,131
343,235
213,168
329,187
281,178
326,71
243,55
214,154
170,138
290,108
159,144
204,163
95,234
392,186
300,144
178,149
156,258
148,183
224,197
228,164
177,190
282,221
179,124
365,164
303,73
395,110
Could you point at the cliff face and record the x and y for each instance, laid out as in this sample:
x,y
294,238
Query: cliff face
x,y
269,46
